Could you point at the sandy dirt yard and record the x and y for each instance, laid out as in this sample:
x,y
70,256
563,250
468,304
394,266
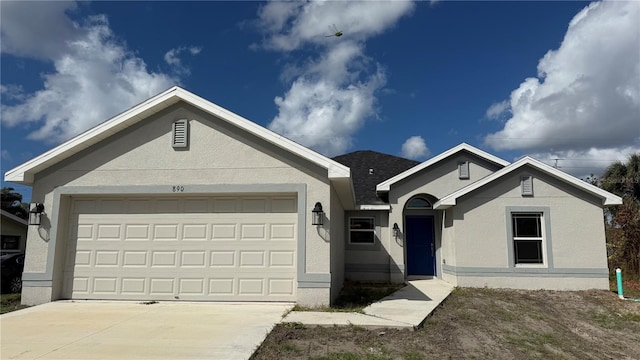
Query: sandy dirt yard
x,y
482,324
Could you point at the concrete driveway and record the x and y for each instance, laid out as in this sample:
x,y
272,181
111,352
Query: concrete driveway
x,y
131,330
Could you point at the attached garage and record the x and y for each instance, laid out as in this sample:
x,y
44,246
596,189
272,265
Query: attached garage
x,y
182,248
178,199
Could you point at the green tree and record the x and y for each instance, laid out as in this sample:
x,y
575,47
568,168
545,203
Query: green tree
x,y
623,228
12,203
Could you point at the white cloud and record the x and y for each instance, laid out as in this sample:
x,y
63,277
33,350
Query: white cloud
x,y
497,110
291,25
583,163
333,94
585,101
415,148
5,155
12,92
95,76
39,30
172,58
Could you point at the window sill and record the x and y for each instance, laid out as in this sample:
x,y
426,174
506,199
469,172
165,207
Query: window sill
x,y
530,266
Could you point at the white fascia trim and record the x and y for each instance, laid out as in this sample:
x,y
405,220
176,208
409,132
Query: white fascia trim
x,y
334,168
375,207
386,185
607,197
14,218
20,174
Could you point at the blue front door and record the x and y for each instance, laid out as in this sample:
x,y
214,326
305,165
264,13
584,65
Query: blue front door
x,y
419,236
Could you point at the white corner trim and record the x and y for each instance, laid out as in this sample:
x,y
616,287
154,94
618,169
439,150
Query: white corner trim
x,y
386,185
607,197
24,173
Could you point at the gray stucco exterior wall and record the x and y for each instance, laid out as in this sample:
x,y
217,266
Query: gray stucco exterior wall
x,y
573,230
140,160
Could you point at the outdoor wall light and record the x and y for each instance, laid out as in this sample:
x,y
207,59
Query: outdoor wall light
x,y
317,215
35,213
396,230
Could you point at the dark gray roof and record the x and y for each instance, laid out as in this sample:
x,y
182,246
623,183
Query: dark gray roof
x,y
369,168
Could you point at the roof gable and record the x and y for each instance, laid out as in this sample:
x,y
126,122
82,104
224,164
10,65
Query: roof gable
x,y
607,197
24,173
386,185
368,168
13,218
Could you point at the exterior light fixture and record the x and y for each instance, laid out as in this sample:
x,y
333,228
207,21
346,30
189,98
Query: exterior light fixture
x,y
35,213
396,230
317,215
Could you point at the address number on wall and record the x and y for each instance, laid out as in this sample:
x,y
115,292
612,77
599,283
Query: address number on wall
x,y
178,188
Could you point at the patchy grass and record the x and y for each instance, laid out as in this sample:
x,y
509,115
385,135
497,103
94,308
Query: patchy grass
x,y
10,302
481,324
630,287
355,296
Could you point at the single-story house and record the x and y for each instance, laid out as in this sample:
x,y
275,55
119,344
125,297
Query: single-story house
x,y
13,231
180,199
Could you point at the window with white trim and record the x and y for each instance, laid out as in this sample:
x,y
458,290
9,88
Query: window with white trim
x,y
527,238
362,230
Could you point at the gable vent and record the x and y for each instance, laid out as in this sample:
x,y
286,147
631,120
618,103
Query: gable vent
x,y
527,185
463,170
180,134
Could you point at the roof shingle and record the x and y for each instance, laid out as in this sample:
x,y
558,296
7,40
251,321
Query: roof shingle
x,y
369,168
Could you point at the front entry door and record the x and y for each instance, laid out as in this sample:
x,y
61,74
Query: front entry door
x,y
421,253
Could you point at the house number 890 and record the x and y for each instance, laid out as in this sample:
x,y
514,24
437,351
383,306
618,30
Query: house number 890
x,y
178,188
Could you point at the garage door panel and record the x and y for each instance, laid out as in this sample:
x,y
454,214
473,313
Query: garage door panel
x,y
105,285
133,286
107,258
214,255
193,259
281,286
195,232
134,258
137,232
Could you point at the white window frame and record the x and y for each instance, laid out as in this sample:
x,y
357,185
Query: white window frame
x,y
541,238
373,230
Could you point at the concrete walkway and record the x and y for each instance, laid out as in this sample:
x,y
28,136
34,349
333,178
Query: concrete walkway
x,y
406,308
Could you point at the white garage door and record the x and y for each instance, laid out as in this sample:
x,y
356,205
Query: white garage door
x,y
223,248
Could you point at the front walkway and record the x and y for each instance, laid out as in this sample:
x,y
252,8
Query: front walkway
x,y
405,308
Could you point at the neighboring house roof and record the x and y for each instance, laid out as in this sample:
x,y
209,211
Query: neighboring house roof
x,y
386,185
14,218
24,174
607,197
368,168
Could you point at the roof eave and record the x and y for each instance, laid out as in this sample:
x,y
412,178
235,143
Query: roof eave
x,y
607,198
24,173
612,201
385,186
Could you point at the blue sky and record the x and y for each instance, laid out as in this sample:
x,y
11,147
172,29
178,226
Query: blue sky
x,y
547,79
